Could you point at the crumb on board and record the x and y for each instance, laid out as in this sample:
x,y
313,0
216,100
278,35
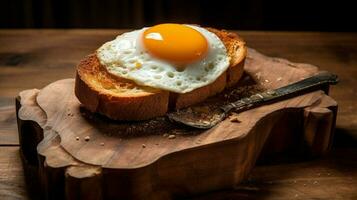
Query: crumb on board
x,y
143,145
102,144
279,79
86,138
77,138
258,75
172,136
189,110
235,119
165,135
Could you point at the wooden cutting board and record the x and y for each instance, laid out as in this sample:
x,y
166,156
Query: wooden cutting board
x,y
69,153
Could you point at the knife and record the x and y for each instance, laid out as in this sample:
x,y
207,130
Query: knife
x,y
194,119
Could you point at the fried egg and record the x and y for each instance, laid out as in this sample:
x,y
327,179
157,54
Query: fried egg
x,y
172,57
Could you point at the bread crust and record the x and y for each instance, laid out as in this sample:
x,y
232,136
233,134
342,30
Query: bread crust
x,y
97,97
237,52
121,99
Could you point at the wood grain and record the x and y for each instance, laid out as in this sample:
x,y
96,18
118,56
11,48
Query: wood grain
x,y
332,177
8,126
334,52
52,54
69,162
36,64
278,181
12,185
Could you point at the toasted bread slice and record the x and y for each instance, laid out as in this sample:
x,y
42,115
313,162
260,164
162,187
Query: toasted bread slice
x,y
122,99
115,97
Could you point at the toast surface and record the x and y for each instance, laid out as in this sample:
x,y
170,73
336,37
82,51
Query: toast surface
x,y
122,99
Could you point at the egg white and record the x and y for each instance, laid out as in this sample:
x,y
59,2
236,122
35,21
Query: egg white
x,y
126,57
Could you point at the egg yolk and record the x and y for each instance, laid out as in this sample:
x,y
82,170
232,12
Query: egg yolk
x,y
175,43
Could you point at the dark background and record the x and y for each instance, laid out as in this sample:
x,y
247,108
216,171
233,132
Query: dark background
x,y
302,15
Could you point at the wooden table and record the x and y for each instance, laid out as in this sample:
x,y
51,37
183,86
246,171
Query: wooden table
x,y
34,58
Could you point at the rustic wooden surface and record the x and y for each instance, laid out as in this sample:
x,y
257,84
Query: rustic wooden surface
x,y
167,168
35,58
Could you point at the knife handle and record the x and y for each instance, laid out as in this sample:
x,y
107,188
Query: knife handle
x,y
309,84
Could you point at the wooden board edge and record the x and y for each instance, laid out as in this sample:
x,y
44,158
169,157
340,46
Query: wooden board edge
x,y
44,181
65,182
